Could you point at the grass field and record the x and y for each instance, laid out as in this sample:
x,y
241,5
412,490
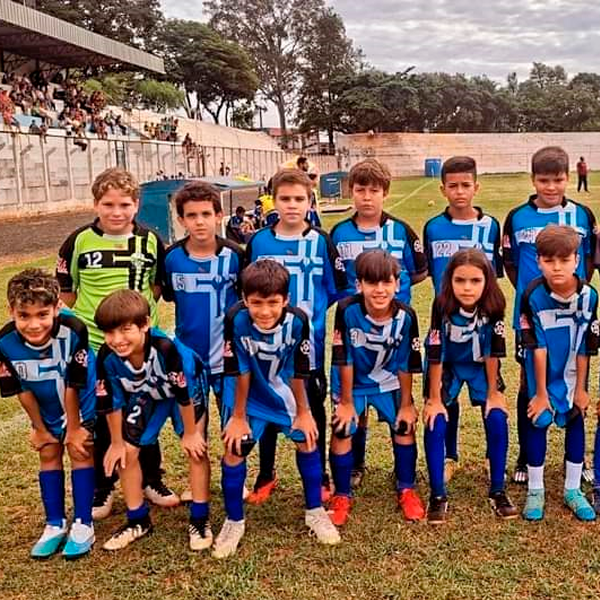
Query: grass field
x,y
474,556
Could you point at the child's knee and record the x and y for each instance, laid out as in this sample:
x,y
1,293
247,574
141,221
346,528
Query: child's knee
x,y
405,440
341,445
51,455
132,454
231,460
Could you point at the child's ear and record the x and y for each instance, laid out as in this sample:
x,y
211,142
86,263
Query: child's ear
x,y
286,300
476,186
359,287
577,258
146,326
244,299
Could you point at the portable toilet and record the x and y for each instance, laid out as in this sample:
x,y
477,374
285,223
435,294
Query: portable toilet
x,y
433,167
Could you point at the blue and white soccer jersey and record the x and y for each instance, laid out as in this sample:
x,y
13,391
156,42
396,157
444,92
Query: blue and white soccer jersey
x,y
317,276
273,358
47,371
171,375
444,236
521,228
203,289
566,328
462,342
378,352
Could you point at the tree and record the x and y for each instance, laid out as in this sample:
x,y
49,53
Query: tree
x,y
275,33
327,58
217,71
132,22
158,95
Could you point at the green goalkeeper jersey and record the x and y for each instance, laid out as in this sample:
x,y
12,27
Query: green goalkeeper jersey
x,y
92,264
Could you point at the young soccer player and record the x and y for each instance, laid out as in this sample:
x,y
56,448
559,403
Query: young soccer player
x,y
317,280
113,253
560,330
461,225
201,276
464,345
550,176
267,359
371,227
376,350
143,378
45,360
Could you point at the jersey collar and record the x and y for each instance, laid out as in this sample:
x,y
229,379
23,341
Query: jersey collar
x,y
282,236
220,246
363,307
558,298
384,217
448,216
97,230
275,327
533,205
53,334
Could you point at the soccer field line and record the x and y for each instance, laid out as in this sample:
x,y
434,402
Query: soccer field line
x,y
415,191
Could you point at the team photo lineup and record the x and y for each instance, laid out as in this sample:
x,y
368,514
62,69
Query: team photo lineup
x,y
300,331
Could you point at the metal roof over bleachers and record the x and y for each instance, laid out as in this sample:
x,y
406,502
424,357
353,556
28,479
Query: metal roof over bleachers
x,y
31,33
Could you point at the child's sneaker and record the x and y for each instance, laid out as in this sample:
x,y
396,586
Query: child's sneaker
x,y
103,503
596,499
534,505
201,536
437,509
587,473
262,490
318,521
339,509
356,477
158,493
80,541
410,504
50,541
450,468
579,505
128,533
229,538
520,475
502,505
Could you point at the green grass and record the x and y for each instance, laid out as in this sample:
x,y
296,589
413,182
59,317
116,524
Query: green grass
x,y
472,557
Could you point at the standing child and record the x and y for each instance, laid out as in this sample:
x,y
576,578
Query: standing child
x,y
464,345
559,328
550,176
317,280
461,225
45,359
143,378
267,359
371,227
114,253
376,351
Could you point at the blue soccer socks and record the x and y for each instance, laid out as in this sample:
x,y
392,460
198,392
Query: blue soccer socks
x,y
83,481
232,481
309,465
496,430
434,453
341,468
52,487
405,465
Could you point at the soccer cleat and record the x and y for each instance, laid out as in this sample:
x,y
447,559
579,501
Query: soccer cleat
x,y
80,541
229,538
357,476
450,468
410,504
158,493
502,505
579,505
262,490
437,509
103,503
596,499
587,474
201,536
520,475
318,521
534,505
50,541
128,533
339,509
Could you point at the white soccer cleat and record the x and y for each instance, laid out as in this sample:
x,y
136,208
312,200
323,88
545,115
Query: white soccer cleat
x,y
201,536
229,538
319,522
103,503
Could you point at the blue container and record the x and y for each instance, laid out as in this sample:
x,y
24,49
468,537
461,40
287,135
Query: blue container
x,y
433,167
155,206
332,184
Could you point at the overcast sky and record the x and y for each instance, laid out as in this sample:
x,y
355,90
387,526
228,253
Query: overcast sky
x,y
474,37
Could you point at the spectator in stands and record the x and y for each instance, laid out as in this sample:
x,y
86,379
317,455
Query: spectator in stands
x,y
582,173
302,163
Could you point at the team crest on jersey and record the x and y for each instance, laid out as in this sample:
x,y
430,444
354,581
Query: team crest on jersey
x,y
177,378
416,344
140,260
227,351
81,358
305,347
4,370
524,322
417,246
506,241
500,329
595,327
435,338
337,337
61,266
339,264
100,388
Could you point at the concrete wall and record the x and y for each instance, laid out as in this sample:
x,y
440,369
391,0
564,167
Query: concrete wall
x,y
405,153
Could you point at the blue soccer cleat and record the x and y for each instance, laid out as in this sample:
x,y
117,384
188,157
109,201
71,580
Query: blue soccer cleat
x,y
579,505
534,505
50,541
80,541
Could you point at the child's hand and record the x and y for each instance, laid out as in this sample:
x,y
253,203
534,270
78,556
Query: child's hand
x,y
235,430
537,405
115,455
581,399
410,416
40,438
495,400
79,441
344,416
194,445
305,423
431,410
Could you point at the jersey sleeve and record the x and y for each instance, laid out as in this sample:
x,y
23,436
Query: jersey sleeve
x,y
235,356
334,272
497,253
497,347
168,293
434,341
532,332
591,339
341,349
427,249
415,259
510,249
110,395
175,373
159,271
411,345
302,348
66,265
77,369
10,384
